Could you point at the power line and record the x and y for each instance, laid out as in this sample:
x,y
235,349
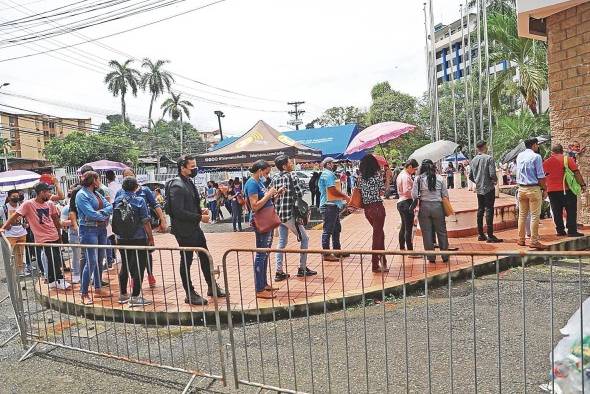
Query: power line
x,y
296,113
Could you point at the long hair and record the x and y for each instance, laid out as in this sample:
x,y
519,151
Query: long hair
x,y
427,168
369,166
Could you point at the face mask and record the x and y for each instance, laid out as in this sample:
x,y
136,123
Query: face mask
x,y
14,199
193,172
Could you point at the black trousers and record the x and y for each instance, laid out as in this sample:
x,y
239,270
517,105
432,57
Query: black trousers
x,y
133,262
54,260
485,204
405,231
568,201
196,239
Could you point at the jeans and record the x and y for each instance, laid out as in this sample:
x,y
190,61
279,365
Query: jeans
x,y
94,257
407,224
74,239
485,203
263,240
432,221
568,201
133,262
212,206
236,214
196,239
530,200
332,227
315,199
375,214
284,229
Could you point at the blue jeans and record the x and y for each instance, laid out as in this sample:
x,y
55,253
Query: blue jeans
x,y
74,239
212,205
94,257
284,229
332,226
263,240
236,215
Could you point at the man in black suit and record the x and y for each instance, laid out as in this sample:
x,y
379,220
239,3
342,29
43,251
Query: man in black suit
x,y
184,208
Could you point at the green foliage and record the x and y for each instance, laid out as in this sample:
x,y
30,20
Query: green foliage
x,y
402,147
175,106
391,105
339,116
512,129
155,81
122,78
79,148
164,139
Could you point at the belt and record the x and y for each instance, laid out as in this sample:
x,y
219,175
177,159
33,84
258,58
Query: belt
x,y
536,184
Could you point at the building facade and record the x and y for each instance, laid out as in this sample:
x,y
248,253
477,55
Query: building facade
x,y
28,134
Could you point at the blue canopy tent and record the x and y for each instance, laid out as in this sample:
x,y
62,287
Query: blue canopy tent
x,y
332,141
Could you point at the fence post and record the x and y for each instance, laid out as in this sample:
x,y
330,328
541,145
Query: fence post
x,y
14,290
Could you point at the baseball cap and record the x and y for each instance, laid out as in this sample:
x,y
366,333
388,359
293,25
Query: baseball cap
x,y
41,187
328,160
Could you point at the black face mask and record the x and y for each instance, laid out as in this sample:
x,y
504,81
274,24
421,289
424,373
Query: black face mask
x,y
15,199
193,173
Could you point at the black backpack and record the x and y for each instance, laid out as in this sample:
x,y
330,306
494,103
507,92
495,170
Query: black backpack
x,y
301,209
125,220
167,206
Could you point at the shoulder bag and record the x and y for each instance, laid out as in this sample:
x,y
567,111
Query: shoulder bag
x,y
265,219
356,199
301,209
569,178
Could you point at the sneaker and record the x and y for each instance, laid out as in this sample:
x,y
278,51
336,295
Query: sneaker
x,y
62,284
52,285
75,279
24,274
330,257
281,276
305,272
576,234
562,233
494,240
482,238
138,301
195,299
338,254
123,299
220,292
104,283
152,280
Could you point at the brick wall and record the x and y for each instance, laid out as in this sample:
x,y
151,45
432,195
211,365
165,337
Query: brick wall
x,y
568,56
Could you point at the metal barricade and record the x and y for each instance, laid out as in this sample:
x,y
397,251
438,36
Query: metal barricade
x,y
166,333
485,322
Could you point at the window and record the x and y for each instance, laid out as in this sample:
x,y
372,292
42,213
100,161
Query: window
x,y
81,125
12,121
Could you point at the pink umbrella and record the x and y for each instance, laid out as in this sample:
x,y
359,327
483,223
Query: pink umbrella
x,y
105,165
377,134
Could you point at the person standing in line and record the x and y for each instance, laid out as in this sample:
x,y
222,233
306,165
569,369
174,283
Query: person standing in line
x,y
532,189
159,197
185,212
330,209
235,197
73,239
43,218
313,189
560,196
450,171
388,178
287,181
483,174
405,184
16,233
259,197
94,213
371,184
134,262
430,188
113,187
212,201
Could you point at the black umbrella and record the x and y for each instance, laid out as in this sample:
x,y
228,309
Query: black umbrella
x,y
511,154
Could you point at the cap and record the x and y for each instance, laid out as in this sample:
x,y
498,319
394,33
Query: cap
x,y
328,160
41,187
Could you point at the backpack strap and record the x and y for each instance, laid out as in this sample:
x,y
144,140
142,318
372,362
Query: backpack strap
x,y
565,167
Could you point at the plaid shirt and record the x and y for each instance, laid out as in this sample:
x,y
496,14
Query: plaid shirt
x,y
284,203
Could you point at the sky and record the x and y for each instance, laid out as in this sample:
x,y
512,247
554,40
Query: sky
x,y
324,52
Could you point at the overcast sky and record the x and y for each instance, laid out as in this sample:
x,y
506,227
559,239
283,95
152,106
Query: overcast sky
x,y
324,52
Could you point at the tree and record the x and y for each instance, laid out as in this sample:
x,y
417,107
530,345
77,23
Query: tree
x,y
156,81
339,116
391,105
401,148
512,129
527,58
174,106
122,78
79,148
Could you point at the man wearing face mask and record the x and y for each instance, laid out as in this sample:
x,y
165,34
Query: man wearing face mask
x,y
184,208
43,217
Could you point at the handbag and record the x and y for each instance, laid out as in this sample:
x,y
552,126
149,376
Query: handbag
x,y
356,199
266,219
570,179
301,209
447,207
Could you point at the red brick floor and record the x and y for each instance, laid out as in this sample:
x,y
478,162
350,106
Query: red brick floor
x,y
334,279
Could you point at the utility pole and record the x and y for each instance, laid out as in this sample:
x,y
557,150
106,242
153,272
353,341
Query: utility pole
x,y
6,142
219,116
296,113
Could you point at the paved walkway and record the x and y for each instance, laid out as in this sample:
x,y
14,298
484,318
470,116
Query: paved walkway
x,y
348,278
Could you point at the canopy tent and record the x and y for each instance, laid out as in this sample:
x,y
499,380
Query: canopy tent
x,y
332,141
260,142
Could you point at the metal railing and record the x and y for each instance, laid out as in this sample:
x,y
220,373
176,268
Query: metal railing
x,y
485,322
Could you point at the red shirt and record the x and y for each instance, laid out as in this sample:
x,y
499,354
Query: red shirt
x,y
554,172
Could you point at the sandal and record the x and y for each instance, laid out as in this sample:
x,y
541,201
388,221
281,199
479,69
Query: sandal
x,y
86,300
270,288
266,295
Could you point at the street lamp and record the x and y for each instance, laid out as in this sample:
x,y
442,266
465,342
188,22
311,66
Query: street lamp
x,y
4,84
219,116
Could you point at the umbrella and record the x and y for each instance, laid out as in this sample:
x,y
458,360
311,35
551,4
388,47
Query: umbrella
x,y
377,134
381,160
18,179
105,165
434,151
511,154
459,157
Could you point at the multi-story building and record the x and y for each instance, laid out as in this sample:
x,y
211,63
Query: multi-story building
x,y
449,50
210,138
28,134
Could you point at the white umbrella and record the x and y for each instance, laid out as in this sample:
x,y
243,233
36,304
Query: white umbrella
x,y
18,179
434,151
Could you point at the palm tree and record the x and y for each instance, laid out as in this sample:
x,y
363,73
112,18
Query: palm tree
x,y
527,58
175,107
155,80
122,78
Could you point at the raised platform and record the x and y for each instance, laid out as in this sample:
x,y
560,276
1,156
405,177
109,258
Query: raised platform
x,y
335,281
